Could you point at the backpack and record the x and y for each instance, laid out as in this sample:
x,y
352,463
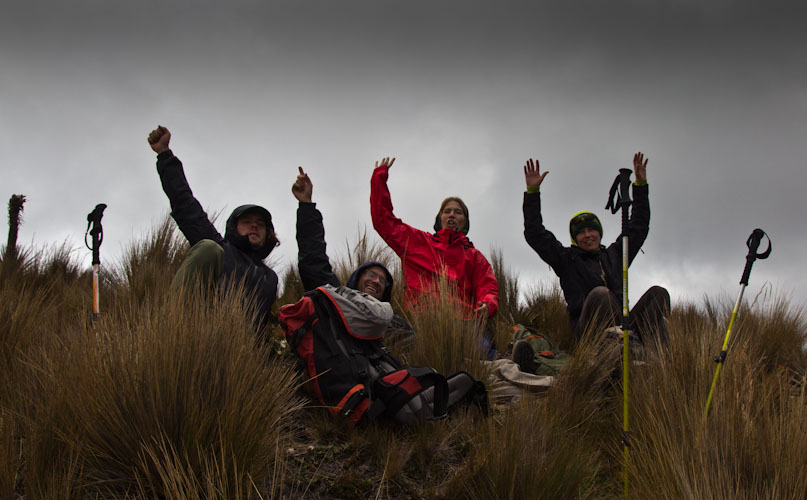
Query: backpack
x,y
337,335
547,358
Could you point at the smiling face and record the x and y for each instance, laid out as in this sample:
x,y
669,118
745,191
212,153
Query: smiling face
x,y
373,282
452,216
253,226
588,239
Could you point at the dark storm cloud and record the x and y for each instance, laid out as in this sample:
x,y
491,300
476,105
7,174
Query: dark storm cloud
x,y
462,92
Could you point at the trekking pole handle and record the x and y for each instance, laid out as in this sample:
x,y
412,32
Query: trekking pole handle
x,y
95,230
753,245
619,194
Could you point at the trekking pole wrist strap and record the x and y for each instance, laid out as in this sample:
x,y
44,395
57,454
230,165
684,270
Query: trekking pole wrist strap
x,y
753,245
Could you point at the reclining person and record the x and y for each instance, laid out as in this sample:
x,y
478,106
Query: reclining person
x,y
315,268
215,261
591,274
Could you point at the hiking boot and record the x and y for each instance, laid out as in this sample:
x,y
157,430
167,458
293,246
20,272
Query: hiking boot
x,y
524,356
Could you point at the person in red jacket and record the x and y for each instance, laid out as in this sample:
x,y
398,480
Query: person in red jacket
x,y
426,256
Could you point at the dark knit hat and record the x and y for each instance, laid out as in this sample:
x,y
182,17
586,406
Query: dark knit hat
x,y
582,220
438,226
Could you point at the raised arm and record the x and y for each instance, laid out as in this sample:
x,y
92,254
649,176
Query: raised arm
x,y
312,259
538,237
639,222
391,229
185,208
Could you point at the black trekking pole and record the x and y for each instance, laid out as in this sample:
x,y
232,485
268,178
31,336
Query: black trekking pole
x,y
753,245
619,198
95,230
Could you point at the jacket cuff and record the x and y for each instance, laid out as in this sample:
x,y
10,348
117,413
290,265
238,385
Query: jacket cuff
x,y
640,182
165,155
533,189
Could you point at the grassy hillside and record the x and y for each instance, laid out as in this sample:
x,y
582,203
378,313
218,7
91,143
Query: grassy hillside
x,y
170,396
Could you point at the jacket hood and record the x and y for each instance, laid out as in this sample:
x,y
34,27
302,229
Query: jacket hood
x,y
242,242
353,280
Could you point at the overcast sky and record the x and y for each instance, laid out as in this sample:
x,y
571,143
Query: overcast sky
x,y
461,92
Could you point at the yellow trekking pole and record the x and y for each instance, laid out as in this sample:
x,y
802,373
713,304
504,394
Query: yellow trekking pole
x,y
95,230
619,198
753,244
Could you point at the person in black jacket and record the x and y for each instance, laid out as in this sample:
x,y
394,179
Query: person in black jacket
x,y
591,274
372,277
215,261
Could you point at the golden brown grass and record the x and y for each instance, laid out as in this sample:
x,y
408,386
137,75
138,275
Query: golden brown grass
x,y
168,396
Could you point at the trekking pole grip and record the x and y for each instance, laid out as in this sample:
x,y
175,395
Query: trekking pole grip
x,y
624,185
753,245
95,230
619,195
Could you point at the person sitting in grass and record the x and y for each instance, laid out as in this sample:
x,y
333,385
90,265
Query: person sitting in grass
x,y
371,277
447,252
215,261
590,273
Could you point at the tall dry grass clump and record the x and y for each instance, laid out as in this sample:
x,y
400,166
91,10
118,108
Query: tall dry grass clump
x,y
508,288
172,396
165,395
149,264
364,250
444,340
751,445
526,451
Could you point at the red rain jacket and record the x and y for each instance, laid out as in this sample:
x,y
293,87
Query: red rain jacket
x,y
425,256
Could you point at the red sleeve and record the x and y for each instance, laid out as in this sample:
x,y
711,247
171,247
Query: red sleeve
x,y
486,287
391,229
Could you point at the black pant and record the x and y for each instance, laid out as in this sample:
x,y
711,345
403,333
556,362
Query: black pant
x,y
603,308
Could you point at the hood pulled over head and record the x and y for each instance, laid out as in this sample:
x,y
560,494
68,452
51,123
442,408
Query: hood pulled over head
x,y
242,242
353,280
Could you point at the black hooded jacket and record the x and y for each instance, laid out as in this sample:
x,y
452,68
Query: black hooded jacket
x,y
315,268
580,271
240,261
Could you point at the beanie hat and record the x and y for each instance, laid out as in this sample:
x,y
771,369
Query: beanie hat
x,y
438,225
582,220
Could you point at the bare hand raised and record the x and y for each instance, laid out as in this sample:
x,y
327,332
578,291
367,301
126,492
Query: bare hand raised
x,y
385,162
532,174
640,166
302,189
159,139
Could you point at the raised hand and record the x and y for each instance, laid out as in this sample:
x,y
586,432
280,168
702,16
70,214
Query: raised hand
x,y
385,162
532,174
159,139
640,166
302,189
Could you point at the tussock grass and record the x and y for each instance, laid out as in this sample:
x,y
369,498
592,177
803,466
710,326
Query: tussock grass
x,y
170,396
752,441
444,341
165,395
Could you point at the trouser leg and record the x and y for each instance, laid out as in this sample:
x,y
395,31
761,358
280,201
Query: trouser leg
x,y
201,268
650,314
601,310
